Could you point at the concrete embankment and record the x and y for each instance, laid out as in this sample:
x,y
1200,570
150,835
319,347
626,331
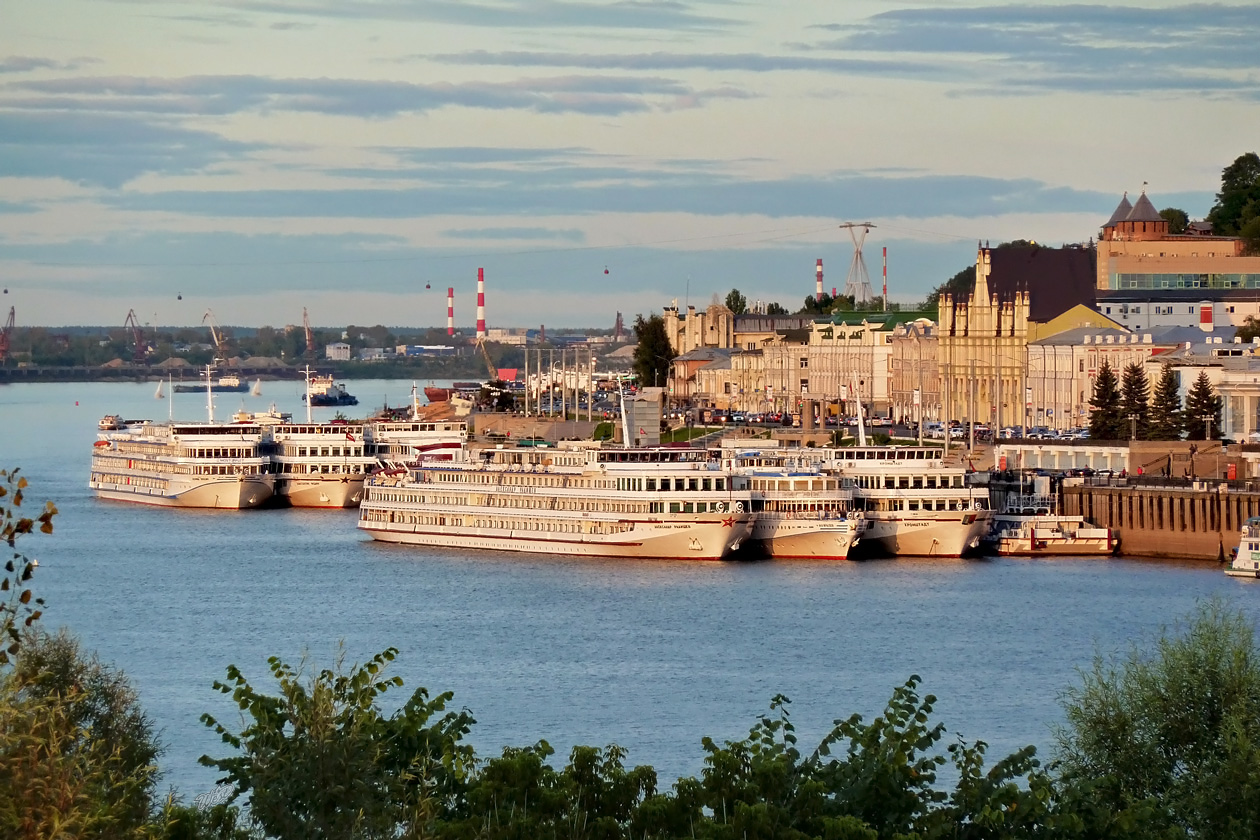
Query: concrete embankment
x,y
1197,520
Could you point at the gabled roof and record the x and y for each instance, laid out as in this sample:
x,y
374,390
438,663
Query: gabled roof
x,y
1143,211
703,354
1056,279
1122,210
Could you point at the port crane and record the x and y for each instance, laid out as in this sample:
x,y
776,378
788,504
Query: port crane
x,y
310,337
6,334
139,348
220,356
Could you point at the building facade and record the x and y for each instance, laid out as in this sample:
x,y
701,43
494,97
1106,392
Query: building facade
x,y
914,389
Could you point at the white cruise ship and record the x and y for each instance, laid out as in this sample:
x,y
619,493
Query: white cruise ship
x,y
799,510
914,504
205,465
579,501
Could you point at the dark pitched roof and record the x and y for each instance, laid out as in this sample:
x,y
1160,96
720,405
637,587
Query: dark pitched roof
x,y
1122,210
1143,211
1056,279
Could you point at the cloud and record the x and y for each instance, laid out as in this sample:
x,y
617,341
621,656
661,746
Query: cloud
x,y
576,191
1199,48
106,150
518,14
515,233
717,62
25,64
220,95
14,207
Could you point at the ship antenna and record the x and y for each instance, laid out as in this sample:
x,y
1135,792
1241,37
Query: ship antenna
x,y
209,393
307,371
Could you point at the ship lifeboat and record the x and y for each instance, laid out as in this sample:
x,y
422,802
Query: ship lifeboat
x,y
101,443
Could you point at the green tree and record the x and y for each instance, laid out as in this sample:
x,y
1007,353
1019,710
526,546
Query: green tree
x,y
1177,219
321,760
1202,401
1238,202
775,309
20,609
77,751
1166,419
653,356
1105,420
1250,329
736,302
1173,731
1134,400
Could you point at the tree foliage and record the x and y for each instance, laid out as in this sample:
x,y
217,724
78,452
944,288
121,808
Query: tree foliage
x,y
1106,422
19,608
1238,203
321,760
1173,733
653,356
1202,401
736,302
1178,220
1134,400
775,308
1167,421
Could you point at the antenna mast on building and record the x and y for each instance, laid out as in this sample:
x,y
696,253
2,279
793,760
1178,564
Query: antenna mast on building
x,y
858,283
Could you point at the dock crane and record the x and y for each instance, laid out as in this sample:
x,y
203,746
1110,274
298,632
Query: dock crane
x,y
6,334
217,334
310,337
490,365
139,348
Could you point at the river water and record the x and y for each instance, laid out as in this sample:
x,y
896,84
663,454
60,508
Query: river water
x,y
649,655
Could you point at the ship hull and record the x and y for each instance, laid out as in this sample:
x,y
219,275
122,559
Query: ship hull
x,y
673,540
228,494
936,534
803,539
218,389
332,492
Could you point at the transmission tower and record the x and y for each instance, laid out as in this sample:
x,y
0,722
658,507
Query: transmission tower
x,y
858,283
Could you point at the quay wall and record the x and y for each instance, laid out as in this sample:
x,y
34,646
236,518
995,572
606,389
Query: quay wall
x,y
1198,521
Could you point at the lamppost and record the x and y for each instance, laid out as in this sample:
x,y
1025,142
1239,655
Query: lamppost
x,y
1207,430
1133,418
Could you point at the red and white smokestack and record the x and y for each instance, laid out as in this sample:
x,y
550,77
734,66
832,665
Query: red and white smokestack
x,y
450,311
818,292
481,303
885,278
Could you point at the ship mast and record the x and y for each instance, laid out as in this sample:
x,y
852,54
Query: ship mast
x,y
307,371
209,393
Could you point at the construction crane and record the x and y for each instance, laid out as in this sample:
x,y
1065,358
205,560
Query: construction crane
x,y
490,366
217,334
310,337
6,336
137,338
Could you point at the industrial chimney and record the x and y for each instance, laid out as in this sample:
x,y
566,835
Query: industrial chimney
x,y
481,303
450,311
818,291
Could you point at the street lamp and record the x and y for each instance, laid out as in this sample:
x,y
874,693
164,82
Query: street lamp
x,y
1207,425
1133,418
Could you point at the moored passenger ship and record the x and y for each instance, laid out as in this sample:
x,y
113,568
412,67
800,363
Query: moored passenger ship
x,y
581,501
799,510
206,465
914,504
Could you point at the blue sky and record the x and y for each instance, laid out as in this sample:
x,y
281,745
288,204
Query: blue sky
x,y
255,157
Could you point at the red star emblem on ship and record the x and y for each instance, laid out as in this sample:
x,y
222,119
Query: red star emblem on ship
x,y
728,522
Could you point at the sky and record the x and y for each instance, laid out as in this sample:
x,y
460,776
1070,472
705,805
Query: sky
x,y
257,157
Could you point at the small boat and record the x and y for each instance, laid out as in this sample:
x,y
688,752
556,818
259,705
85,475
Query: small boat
x,y
111,423
1028,526
323,391
1246,558
434,394
225,384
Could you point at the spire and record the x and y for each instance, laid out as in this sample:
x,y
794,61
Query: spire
x,y
1122,211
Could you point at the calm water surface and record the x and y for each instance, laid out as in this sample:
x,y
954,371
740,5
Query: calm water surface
x,y
650,655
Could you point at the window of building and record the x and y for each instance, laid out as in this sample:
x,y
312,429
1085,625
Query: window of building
x,y
1192,310
1082,364
804,362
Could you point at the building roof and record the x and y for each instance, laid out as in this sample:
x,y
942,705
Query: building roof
x,y
1056,279
1076,335
771,323
1122,210
703,354
1194,335
1143,211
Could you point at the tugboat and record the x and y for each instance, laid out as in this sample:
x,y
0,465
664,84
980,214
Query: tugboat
x,y
322,391
1245,559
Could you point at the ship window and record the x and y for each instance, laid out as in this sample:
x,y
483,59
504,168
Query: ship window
x,y
914,505
651,484
918,482
903,482
693,484
719,484
674,507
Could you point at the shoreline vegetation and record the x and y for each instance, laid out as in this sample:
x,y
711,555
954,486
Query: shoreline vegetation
x,y
1161,742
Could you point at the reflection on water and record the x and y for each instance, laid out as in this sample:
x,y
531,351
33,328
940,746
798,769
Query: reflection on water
x,y
649,654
